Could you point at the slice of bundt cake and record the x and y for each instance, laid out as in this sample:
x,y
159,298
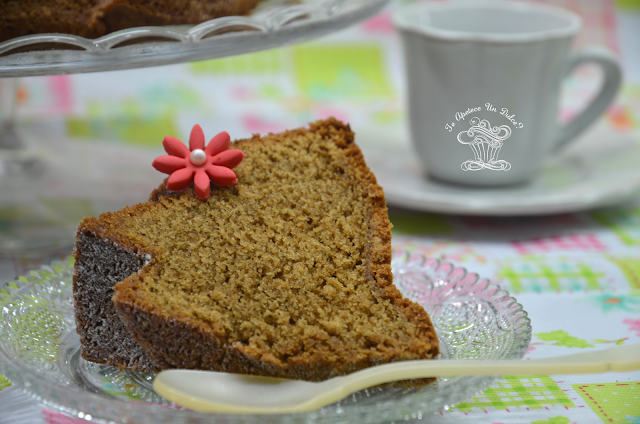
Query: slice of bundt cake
x,y
285,274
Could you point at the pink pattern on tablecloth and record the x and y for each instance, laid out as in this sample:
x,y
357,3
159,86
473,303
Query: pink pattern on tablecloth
x,y
257,124
634,325
379,24
241,93
54,417
572,242
60,87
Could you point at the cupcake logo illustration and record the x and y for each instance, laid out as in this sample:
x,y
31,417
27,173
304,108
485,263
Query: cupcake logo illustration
x,y
485,142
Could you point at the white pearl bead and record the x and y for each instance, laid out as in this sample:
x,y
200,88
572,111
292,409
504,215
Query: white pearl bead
x,y
198,157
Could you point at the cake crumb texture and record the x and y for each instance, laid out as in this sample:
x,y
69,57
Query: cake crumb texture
x,y
285,274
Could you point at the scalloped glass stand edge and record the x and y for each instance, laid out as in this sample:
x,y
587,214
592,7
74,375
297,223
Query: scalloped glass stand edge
x,y
473,318
273,26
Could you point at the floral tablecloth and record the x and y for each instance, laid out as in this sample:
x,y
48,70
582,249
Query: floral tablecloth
x,y
576,274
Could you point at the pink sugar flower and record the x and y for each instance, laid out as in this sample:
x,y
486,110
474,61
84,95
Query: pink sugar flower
x,y
198,164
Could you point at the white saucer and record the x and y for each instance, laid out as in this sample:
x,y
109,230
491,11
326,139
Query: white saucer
x,y
601,169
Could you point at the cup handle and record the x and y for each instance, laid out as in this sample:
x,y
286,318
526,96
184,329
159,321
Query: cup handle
x,y
612,79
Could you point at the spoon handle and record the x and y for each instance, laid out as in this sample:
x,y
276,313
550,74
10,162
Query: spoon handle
x,y
619,358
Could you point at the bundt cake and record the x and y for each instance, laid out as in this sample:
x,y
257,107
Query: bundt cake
x,y
284,274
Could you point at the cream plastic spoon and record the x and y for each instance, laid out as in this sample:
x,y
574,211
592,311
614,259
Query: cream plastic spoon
x,y
207,391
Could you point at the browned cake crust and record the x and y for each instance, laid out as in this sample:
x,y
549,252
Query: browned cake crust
x,y
95,18
100,264
323,304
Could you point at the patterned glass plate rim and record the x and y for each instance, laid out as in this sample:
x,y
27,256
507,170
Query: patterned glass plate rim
x,y
274,23
39,351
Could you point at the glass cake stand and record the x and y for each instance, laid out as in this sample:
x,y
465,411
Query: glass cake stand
x,y
27,224
39,352
274,23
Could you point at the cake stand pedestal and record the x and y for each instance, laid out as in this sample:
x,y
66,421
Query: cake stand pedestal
x,y
27,224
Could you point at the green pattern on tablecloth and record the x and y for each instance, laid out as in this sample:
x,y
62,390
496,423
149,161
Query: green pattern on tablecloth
x,y
419,224
4,382
624,222
143,120
555,420
259,63
144,131
534,392
65,213
562,338
540,276
629,4
631,269
612,402
338,71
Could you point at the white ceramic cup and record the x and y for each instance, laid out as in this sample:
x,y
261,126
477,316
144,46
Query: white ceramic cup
x,y
484,86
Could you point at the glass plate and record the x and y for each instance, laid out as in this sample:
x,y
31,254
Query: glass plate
x,y
274,23
40,352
